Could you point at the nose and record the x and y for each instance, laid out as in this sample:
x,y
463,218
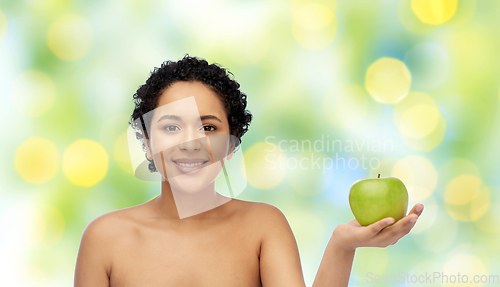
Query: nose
x,y
192,140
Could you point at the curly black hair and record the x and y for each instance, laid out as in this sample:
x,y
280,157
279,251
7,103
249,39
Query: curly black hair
x,y
191,69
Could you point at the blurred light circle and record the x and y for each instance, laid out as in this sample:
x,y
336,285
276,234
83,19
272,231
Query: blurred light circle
x,y
314,25
3,26
466,198
388,80
431,238
249,42
386,166
49,225
346,108
37,160
462,189
70,37
410,21
47,9
490,222
431,141
122,155
475,63
306,178
33,93
85,162
434,12
419,176
419,121
453,168
480,205
457,166
412,99
465,265
372,260
427,218
313,16
429,64
473,210
421,267
488,240
265,165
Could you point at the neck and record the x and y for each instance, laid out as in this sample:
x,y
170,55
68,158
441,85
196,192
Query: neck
x,y
177,204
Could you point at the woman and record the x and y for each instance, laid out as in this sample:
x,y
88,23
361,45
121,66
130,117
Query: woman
x,y
190,117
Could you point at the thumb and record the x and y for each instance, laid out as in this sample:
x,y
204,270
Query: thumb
x,y
379,225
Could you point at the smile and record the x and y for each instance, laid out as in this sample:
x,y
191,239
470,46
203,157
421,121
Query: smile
x,y
189,164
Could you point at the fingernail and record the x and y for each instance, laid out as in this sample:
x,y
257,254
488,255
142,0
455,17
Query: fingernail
x,y
390,221
413,220
419,209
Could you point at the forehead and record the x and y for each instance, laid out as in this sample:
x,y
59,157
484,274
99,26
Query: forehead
x,y
207,101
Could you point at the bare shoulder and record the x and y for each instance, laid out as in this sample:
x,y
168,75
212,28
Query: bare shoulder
x,y
109,224
279,259
99,240
105,229
265,210
262,214
254,206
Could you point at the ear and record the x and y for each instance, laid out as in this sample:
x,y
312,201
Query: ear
x,y
149,154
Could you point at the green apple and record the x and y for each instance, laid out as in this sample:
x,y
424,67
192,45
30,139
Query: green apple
x,y
373,199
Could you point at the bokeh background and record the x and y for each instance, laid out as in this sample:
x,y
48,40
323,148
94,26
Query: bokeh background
x,y
410,85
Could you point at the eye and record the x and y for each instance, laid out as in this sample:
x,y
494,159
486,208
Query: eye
x,y
170,128
209,128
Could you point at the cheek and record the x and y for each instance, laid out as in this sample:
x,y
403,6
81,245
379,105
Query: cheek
x,y
161,142
219,146
161,163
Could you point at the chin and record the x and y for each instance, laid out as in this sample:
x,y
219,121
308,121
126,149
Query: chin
x,y
181,184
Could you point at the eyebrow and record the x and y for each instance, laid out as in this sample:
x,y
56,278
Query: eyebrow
x,y
170,117
177,118
210,117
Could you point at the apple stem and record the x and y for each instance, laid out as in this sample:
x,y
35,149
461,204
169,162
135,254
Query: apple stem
x,y
379,175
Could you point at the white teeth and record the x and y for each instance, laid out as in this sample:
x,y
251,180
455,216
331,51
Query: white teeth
x,y
189,164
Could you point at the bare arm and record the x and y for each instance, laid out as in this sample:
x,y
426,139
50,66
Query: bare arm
x,y
279,255
93,265
335,267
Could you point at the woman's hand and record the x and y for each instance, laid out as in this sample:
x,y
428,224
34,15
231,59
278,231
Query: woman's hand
x,y
352,235
335,267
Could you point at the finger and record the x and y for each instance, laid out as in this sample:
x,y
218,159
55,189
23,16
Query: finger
x,y
354,222
410,219
397,230
417,209
376,227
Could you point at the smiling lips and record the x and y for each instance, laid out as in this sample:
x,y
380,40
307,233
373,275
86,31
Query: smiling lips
x,y
190,165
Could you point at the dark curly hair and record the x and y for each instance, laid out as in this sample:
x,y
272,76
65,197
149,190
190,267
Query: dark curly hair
x,y
190,69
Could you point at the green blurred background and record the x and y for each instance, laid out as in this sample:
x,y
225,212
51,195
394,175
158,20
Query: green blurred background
x,y
412,86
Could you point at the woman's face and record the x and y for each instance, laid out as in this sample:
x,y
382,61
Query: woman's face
x,y
189,136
